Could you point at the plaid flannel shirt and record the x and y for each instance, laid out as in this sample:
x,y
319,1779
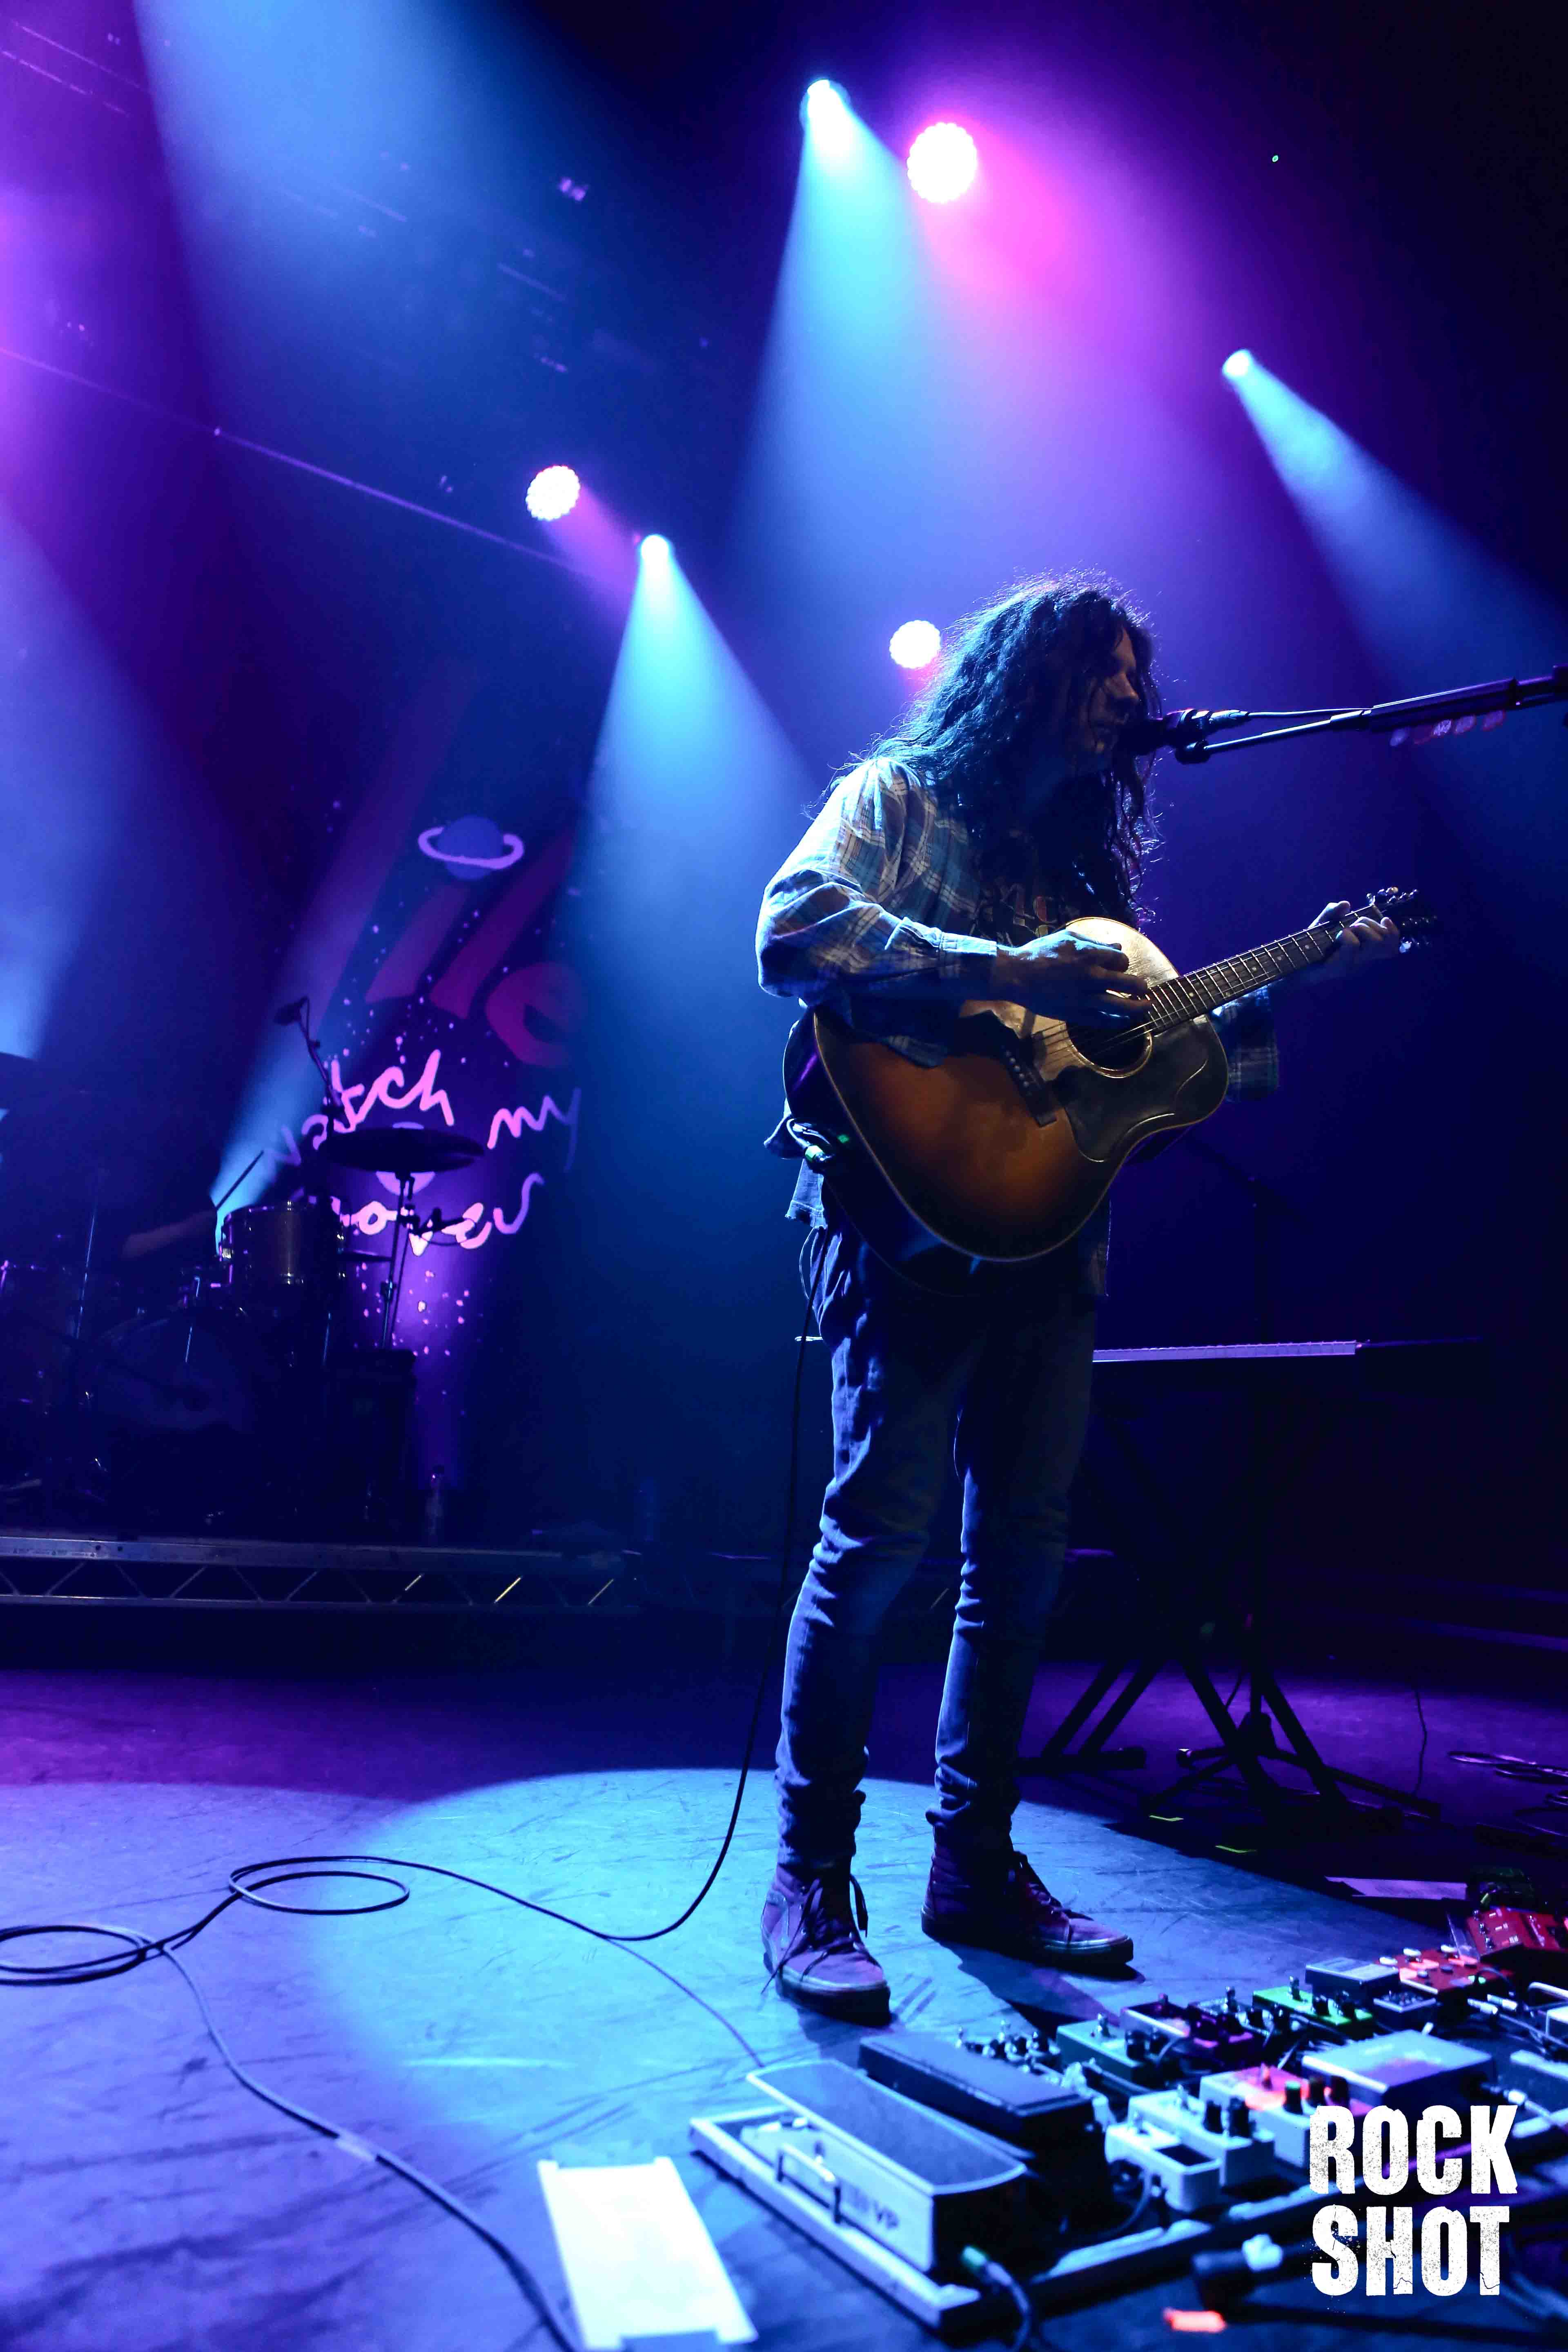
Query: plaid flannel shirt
x,y
880,904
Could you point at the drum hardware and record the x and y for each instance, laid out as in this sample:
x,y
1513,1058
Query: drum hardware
x,y
48,1327
231,1392
404,1152
173,1373
38,1304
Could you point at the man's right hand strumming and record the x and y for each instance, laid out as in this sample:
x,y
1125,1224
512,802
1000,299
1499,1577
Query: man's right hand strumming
x,y
1066,978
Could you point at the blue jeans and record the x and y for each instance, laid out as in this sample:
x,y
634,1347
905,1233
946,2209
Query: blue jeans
x,y
1012,1362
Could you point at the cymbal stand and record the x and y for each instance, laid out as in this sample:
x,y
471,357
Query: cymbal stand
x,y
80,1323
63,1424
298,1015
404,1224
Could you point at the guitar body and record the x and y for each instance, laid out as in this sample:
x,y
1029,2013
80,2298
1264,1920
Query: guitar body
x,y
1004,1147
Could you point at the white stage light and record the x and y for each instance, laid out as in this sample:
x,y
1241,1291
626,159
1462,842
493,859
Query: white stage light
x,y
916,645
552,493
942,162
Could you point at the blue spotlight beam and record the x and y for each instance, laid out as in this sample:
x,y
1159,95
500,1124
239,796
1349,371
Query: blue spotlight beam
x,y
687,747
1428,603
1420,590
81,777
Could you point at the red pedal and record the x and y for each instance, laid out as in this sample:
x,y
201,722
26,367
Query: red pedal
x,y
1516,1939
1439,1973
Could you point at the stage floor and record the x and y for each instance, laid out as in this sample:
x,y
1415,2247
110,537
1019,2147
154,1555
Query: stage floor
x,y
151,2204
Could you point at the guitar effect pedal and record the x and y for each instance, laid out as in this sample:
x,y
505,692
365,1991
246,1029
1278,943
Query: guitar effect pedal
x,y
1280,2103
1354,1984
1448,1974
1515,1940
1295,2002
1405,2069
1219,2129
1136,2060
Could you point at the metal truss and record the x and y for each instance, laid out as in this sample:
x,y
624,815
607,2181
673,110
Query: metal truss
x,y
195,1573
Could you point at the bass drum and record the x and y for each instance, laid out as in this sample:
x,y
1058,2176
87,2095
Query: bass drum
x,y
180,1412
176,1375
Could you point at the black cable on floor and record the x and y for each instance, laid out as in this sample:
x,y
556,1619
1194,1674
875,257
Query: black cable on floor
x,y
653,1935
249,1881
367,2152
1425,1735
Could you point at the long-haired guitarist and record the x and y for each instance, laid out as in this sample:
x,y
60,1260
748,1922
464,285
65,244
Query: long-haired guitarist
x,y
941,871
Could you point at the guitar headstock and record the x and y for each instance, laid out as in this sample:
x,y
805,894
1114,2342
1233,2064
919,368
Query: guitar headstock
x,y
1414,921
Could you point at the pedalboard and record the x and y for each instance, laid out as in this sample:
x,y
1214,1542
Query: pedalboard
x,y
1003,2140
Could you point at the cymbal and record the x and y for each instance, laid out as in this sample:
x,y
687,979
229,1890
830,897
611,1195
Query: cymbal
x,y
401,1150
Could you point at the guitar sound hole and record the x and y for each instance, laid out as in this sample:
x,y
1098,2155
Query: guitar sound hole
x,y
1117,1051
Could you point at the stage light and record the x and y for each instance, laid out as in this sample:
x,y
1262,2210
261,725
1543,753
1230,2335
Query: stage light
x,y
552,493
1238,365
655,550
942,162
827,114
916,645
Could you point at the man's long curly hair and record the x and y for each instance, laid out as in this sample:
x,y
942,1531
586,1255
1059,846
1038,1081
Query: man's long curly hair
x,y
1020,666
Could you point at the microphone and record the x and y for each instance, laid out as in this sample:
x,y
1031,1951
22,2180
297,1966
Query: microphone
x,y
1178,731
287,1015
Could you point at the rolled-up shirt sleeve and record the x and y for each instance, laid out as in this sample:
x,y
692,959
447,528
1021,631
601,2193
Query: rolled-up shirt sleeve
x,y
831,930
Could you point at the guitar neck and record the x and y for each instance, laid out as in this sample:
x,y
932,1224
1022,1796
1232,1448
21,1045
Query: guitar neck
x,y
1183,998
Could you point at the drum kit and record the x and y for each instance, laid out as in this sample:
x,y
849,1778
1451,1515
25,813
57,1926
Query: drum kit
x,y
238,1397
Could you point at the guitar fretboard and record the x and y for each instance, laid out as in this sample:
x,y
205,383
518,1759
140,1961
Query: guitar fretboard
x,y
1183,998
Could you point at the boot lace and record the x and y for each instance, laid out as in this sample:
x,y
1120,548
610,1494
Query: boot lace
x,y
1022,1874
833,1919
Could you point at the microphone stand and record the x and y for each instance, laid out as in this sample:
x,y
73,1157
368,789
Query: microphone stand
x,y
301,1021
1190,730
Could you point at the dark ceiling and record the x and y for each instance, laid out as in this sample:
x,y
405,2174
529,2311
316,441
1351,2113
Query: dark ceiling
x,y
1426,143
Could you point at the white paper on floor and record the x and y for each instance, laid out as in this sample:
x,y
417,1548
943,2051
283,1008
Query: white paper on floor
x,y
637,2258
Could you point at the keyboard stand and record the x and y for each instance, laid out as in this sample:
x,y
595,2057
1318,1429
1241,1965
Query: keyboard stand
x,y
1266,1376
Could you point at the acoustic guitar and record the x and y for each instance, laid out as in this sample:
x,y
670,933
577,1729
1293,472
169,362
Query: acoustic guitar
x,y
1005,1147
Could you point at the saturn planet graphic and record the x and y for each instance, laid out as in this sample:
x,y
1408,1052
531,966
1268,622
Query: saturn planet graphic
x,y
471,845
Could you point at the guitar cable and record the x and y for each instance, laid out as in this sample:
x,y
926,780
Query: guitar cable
x,y
248,1883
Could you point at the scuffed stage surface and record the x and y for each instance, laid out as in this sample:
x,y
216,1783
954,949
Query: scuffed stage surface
x,y
151,2206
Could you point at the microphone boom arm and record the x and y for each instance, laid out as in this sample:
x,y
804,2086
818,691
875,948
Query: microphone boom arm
x,y
1380,717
